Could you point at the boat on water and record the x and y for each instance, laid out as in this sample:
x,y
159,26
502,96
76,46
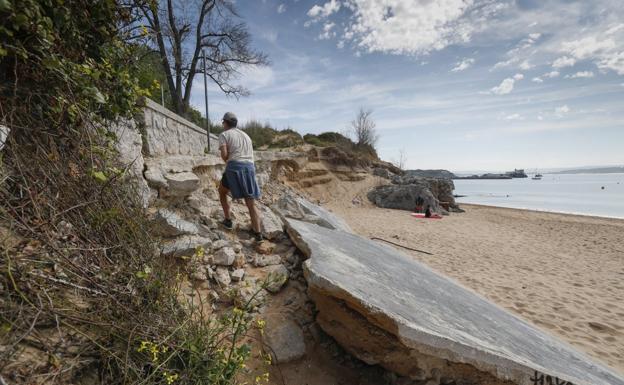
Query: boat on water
x,y
537,177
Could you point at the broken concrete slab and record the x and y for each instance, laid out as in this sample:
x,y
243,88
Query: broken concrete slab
x,y
387,309
272,226
291,206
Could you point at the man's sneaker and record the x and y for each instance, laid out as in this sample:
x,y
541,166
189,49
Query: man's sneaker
x,y
258,237
227,223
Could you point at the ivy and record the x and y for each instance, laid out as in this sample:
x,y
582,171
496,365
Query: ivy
x,y
64,60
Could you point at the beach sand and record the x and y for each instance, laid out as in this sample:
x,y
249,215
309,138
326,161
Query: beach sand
x,y
562,273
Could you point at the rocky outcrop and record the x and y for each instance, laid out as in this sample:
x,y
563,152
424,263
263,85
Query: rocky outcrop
x,y
387,309
441,188
383,172
437,193
404,197
444,174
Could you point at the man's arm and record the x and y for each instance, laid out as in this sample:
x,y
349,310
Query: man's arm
x,y
224,152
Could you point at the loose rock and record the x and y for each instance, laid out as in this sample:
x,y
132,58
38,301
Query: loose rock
x,y
266,260
222,276
224,257
276,277
237,275
170,224
185,245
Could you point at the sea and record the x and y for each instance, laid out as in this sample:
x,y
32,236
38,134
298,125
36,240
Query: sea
x,y
585,194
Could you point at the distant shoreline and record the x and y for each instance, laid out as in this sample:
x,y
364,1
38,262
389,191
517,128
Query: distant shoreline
x,y
571,214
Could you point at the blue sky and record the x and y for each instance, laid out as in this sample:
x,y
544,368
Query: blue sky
x,y
456,84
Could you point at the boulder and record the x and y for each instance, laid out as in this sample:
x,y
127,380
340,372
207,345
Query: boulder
x,y
224,257
388,309
403,197
441,188
291,206
185,245
170,224
182,183
284,338
276,277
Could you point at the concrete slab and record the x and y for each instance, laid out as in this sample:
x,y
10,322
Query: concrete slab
x,y
433,315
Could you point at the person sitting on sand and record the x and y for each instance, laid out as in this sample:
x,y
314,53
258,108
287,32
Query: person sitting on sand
x,y
239,177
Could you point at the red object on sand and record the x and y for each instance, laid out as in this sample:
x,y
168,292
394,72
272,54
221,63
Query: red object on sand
x,y
433,216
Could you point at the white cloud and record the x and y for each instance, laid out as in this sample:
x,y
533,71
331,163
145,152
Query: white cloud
x,y
464,64
408,27
581,74
525,65
518,77
318,11
606,53
563,62
516,56
327,31
552,74
513,117
281,8
504,88
560,111
537,79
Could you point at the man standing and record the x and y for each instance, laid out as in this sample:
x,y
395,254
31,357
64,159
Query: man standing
x,y
239,177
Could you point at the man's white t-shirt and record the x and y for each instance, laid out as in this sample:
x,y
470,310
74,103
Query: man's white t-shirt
x,y
239,145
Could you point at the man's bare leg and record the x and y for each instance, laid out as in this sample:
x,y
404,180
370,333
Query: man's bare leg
x,y
253,213
223,192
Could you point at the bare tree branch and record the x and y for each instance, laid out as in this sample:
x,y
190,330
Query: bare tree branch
x,y
180,41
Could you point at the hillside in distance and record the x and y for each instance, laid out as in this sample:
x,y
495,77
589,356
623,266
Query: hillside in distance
x,y
597,170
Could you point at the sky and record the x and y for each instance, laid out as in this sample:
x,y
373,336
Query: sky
x,y
454,84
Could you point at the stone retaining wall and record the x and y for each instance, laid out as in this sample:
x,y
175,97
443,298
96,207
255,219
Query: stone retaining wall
x,y
166,133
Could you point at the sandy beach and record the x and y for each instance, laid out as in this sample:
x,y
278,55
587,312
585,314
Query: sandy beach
x,y
563,273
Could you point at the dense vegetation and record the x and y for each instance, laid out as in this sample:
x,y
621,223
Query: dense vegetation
x,y
345,144
84,297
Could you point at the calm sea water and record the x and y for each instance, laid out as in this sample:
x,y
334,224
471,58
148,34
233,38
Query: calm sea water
x,y
575,194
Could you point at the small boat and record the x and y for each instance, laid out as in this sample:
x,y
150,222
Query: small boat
x,y
537,177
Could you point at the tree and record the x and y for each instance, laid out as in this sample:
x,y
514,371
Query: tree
x,y
402,162
181,30
363,127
